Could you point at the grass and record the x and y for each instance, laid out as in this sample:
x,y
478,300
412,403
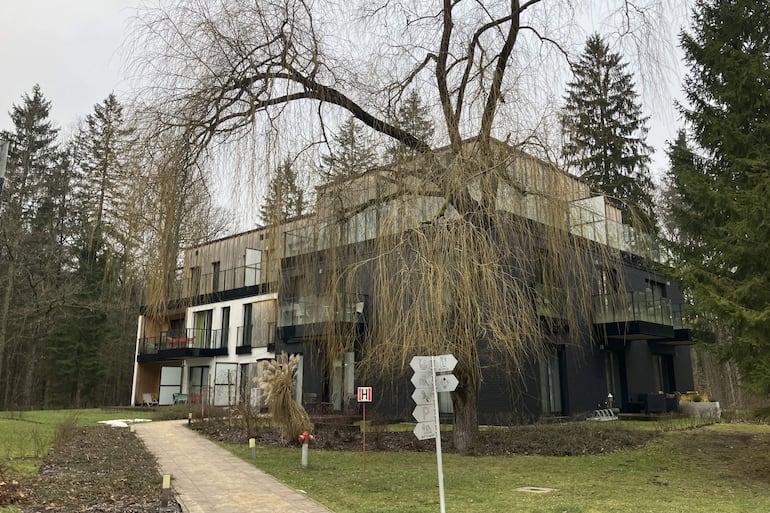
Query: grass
x,y
26,437
722,467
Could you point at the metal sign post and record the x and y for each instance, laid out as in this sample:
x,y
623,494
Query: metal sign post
x,y
364,396
427,386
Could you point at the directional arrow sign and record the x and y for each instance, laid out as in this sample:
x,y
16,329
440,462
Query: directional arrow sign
x,y
425,430
422,396
424,413
423,380
444,363
421,363
446,383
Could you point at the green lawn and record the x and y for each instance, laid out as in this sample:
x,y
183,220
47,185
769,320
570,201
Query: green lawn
x,y
26,437
723,468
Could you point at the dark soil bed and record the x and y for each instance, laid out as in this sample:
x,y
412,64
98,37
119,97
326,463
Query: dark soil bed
x,y
572,439
95,470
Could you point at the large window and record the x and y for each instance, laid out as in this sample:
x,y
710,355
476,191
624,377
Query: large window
x,y
248,326
170,384
202,329
226,384
253,267
363,226
199,384
216,268
195,281
550,383
225,326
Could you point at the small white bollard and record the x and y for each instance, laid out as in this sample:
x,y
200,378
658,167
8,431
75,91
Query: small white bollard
x,y
253,448
304,454
304,439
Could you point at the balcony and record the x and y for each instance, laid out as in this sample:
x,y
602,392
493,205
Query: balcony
x,y
224,284
300,317
634,316
249,337
189,343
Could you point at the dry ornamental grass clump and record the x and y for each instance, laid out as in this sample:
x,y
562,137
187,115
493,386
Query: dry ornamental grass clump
x,y
277,383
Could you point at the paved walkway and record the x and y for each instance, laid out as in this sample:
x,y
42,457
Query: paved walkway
x,y
208,479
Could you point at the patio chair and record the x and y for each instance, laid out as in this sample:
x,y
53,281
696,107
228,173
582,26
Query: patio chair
x,y
147,400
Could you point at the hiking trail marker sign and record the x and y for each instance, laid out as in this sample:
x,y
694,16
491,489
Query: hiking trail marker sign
x,y
432,374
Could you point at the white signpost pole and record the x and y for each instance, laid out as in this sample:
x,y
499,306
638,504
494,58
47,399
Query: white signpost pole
x,y
425,395
439,461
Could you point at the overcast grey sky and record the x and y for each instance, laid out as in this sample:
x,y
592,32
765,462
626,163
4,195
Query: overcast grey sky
x,y
71,48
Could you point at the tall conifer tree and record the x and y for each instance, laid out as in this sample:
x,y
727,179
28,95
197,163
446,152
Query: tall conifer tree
x,y
414,117
34,231
353,153
285,198
605,132
721,180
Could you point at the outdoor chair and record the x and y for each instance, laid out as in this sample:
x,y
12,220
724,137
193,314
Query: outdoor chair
x,y
147,400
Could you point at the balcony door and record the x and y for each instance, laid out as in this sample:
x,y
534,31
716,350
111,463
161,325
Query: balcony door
x,y
202,321
252,268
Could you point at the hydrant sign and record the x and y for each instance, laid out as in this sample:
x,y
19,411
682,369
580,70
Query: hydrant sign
x,y
364,394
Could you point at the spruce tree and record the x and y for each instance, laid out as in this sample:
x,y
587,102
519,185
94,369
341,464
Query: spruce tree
x,y
99,154
605,132
414,117
720,181
285,198
353,153
34,233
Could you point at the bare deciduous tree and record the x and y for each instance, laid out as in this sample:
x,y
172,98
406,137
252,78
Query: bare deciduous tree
x,y
455,280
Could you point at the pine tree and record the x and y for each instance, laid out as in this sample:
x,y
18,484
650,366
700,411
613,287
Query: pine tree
x,y
354,153
720,180
605,132
285,198
99,154
414,117
34,232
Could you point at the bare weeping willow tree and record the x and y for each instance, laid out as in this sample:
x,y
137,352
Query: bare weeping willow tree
x,y
459,276
277,383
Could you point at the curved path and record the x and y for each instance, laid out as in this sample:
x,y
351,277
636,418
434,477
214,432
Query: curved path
x,y
208,479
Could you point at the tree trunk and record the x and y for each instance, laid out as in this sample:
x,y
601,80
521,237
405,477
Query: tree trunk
x,y
4,311
465,401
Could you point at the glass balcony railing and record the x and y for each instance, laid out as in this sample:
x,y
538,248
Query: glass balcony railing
x,y
192,338
309,310
631,307
255,336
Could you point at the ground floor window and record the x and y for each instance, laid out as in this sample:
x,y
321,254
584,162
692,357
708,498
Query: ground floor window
x,y
225,384
249,384
550,382
199,384
663,370
170,384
